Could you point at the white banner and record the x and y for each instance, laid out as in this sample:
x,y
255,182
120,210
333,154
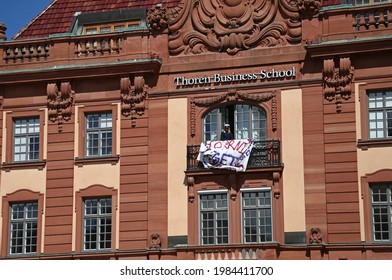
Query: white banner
x,y
229,154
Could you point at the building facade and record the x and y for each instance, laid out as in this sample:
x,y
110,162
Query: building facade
x,y
106,106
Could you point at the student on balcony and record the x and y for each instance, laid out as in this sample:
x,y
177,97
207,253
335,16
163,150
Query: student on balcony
x,y
226,133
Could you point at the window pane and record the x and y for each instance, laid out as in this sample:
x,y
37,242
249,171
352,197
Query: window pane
x,y
381,211
98,134
256,216
97,223
23,228
26,139
214,223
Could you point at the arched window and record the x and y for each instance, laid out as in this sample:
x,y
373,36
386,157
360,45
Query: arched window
x,y
246,121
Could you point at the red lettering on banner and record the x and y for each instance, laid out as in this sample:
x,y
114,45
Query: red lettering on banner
x,y
218,145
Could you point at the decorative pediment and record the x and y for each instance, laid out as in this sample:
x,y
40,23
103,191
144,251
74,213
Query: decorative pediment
x,y
198,26
133,97
230,96
60,103
338,80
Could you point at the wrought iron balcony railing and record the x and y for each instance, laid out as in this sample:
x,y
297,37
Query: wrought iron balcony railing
x,y
265,153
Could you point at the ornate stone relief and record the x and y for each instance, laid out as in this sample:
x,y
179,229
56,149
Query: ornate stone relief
x,y
308,8
230,26
157,18
316,237
338,80
234,95
60,103
133,97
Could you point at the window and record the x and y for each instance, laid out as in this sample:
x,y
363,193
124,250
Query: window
x,y
246,121
361,2
97,127
214,220
107,28
380,114
381,207
256,216
23,228
22,221
98,134
97,224
26,140
90,31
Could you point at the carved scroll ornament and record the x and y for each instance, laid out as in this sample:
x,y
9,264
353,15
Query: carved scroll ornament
x,y
234,95
133,97
338,80
230,26
60,103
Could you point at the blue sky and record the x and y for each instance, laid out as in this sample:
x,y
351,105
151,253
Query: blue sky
x,y
15,14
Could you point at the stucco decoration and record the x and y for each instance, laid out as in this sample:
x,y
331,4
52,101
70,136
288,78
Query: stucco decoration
x,y
230,26
133,97
231,96
308,8
338,80
316,237
60,103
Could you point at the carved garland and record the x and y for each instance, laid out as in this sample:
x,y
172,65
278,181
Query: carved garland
x,y
133,97
234,95
338,81
60,103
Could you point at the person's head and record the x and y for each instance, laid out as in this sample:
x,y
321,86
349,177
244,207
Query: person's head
x,y
227,127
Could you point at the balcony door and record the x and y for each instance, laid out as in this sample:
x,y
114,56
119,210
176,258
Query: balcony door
x,y
246,121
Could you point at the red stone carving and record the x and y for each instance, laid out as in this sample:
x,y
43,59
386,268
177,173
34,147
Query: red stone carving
x,y
308,8
157,18
234,95
338,81
315,236
133,97
191,191
155,241
60,103
230,26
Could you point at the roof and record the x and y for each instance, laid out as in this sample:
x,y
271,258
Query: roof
x,y
58,16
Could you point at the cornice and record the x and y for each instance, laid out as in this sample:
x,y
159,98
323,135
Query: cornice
x,y
81,70
350,46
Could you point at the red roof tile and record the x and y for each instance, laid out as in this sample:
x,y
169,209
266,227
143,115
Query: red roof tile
x,y
57,17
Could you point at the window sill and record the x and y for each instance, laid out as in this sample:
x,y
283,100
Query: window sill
x,y
97,160
370,143
23,165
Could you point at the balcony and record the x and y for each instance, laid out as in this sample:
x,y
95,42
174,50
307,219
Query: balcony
x,y
265,154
